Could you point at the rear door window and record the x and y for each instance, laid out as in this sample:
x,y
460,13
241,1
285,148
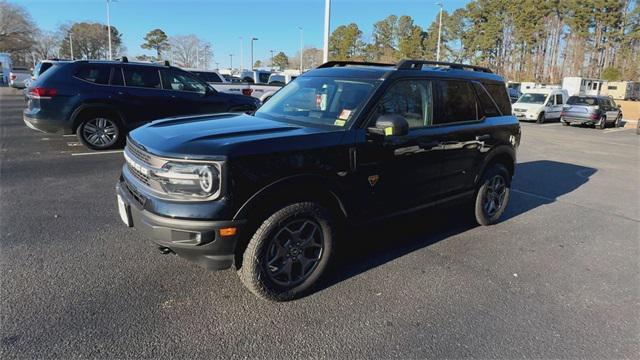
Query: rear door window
x,y
97,74
146,77
456,102
499,94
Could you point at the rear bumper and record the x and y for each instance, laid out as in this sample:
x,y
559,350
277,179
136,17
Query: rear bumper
x,y
578,120
32,119
195,240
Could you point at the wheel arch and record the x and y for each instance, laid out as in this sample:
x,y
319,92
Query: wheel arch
x,y
502,154
78,114
296,188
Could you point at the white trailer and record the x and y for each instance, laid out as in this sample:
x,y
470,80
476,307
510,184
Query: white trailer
x,y
582,86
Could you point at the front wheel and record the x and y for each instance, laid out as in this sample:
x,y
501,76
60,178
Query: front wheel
x,y
618,121
288,252
100,133
540,119
492,196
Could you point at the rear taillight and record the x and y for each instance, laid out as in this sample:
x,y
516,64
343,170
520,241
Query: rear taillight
x,y
247,92
42,93
13,77
595,116
562,114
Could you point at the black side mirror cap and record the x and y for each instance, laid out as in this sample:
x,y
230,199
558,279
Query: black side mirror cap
x,y
390,125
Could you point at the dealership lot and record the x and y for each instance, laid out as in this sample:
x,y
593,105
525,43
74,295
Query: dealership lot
x,y
557,278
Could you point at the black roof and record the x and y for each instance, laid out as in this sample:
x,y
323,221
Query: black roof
x,y
405,68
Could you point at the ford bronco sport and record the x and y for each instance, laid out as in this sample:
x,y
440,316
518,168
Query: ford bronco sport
x,y
343,143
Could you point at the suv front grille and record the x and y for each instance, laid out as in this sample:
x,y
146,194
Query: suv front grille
x,y
139,175
138,152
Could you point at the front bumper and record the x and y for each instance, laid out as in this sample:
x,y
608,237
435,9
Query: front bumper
x,y
196,240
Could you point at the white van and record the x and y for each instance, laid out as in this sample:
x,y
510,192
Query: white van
x,y
540,104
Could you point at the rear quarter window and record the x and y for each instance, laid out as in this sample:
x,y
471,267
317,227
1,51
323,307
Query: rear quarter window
x,y
499,94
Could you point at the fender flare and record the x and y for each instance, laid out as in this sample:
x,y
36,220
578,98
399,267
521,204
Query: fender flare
x,y
293,185
75,119
498,151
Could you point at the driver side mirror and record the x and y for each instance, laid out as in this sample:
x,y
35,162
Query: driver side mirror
x,y
390,125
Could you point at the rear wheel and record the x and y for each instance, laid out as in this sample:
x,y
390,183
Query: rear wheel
x,y
540,119
492,196
100,133
288,252
603,123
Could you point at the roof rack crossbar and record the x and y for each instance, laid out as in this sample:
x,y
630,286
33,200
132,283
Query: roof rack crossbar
x,y
330,64
417,65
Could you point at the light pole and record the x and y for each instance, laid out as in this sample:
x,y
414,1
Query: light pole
x,y
71,44
327,17
109,27
230,61
252,40
241,57
301,68
271,59
439,32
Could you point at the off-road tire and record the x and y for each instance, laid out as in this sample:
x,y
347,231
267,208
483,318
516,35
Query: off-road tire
x,y
481,216
253,272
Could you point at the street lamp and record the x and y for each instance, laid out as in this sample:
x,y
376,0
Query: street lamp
x,y
252,40
439,32
300,28
230,61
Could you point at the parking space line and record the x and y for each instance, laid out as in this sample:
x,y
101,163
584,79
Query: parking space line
x,y
98,153
69,135
615,130
74,144
546,125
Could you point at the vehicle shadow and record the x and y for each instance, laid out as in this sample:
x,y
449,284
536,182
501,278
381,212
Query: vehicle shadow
x,y
365,247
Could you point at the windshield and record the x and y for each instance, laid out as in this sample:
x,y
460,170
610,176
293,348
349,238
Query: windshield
x,y
587,101
531,98
319,101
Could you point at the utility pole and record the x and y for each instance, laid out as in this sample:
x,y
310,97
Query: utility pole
x,y
241,57
301,68
198,55
271,59
109,28
327,16
439,32
230,61
252,40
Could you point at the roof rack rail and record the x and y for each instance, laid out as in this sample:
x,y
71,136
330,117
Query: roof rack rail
x,y
124,59
330,64
166,63
417,65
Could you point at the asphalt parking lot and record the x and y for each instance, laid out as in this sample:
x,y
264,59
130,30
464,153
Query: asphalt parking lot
x,y
558,278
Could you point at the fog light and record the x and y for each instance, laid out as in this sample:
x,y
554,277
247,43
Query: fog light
x,y
230,231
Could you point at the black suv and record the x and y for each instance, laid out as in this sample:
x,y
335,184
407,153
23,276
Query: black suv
x,y
344,143
101,101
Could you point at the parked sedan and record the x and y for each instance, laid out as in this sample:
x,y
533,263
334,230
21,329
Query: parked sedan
x,y
600,111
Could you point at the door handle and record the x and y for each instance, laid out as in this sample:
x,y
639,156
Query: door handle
x,y
483,137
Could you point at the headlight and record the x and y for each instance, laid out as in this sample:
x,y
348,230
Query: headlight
x,y
191,180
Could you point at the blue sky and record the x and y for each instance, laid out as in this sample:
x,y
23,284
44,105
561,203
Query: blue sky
x,y
274,22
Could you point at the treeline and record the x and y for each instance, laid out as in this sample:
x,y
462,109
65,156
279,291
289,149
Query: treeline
x,y
523,40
